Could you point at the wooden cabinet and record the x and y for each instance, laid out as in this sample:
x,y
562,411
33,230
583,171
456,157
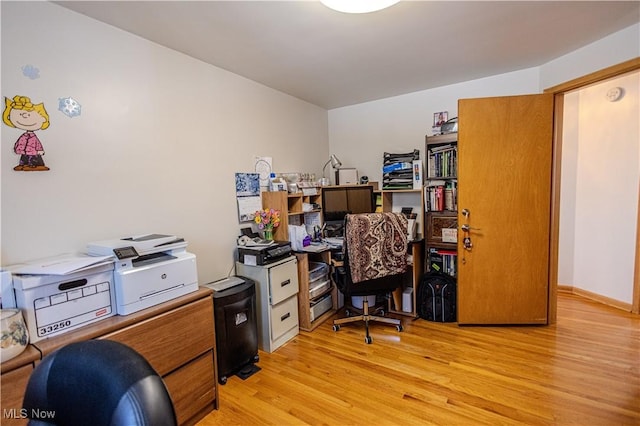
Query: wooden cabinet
x,y
441,217
15,376
312,290
176,337
276,301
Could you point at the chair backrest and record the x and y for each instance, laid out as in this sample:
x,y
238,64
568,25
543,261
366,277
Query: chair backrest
x,y
374,252
97,382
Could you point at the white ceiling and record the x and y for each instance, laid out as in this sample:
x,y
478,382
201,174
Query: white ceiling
x,y
333,59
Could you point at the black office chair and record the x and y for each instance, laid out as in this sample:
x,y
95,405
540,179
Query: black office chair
x,y
97,382
374,262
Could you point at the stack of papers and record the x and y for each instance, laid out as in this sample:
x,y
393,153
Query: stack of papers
x,y
333,242
316,247
64,264
257,242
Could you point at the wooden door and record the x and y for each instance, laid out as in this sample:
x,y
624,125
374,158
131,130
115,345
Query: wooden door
x,y
504,175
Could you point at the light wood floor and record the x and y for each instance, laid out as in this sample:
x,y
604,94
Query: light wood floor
x,y
584,370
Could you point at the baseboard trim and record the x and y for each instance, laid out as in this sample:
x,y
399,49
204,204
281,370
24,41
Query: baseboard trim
x,y
595,297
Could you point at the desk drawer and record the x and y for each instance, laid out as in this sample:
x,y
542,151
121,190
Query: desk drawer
x,y
284,317
14,383
191,387
283,281
173,338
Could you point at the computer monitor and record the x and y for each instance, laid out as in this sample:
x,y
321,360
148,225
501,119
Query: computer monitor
x,y
339,201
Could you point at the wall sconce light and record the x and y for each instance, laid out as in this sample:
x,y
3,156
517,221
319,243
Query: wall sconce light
x,y
335,164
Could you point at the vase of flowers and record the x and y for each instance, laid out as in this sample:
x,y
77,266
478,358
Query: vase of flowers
x,y
267,219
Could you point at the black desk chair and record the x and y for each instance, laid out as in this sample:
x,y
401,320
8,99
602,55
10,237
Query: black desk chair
x,y
97,382
374,262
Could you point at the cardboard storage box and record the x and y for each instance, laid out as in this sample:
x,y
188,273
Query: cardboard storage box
x,y
55,304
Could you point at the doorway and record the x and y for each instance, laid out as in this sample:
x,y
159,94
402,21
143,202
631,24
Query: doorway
x,y
599,171
563,96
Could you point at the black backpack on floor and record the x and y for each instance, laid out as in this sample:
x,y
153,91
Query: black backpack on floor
x,y
436,298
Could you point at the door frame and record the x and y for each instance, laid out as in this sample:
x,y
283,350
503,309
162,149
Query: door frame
x,y
559,92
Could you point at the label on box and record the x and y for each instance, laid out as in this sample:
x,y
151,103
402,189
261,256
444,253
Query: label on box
x,y
449,235
72,308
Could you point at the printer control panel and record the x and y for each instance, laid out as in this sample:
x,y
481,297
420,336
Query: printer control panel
x,y
125,252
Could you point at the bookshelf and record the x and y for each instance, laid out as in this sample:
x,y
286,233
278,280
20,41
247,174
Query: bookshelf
x,y
440,195
300,208
394,200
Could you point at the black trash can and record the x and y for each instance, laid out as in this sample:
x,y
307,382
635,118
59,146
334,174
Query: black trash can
x,y
234,305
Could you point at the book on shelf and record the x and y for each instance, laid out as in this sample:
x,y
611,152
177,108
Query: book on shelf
x,y
439,198
440,148
443,163
441,195
442,260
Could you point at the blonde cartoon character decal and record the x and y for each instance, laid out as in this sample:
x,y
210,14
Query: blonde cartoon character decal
x,y
20,113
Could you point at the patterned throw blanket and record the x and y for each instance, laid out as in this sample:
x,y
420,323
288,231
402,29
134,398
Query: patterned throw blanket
x,y
376,245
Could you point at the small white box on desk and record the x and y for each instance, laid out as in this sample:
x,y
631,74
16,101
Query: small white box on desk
x,y
407,300
55,304
346,176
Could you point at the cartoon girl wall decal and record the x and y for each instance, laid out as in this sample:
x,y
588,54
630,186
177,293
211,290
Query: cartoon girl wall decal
x,y
20,113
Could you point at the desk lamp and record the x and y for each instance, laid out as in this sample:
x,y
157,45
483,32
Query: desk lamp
x,y
335,164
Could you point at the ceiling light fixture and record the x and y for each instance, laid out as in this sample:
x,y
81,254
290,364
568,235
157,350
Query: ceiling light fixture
x,y
358,6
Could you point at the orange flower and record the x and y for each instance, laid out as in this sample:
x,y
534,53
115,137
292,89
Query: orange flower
x,y
267,218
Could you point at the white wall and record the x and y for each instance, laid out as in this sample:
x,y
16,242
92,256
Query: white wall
x,y
155,149
360,134
611,50
161,134
599,194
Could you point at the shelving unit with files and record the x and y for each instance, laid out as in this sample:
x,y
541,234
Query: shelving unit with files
x,y
411,282
299,208
316,286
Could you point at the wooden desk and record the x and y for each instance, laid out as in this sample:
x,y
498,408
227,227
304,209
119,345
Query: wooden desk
x,y
15,375
176,337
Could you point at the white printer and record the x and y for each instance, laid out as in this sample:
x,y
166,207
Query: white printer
x,y
149,269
